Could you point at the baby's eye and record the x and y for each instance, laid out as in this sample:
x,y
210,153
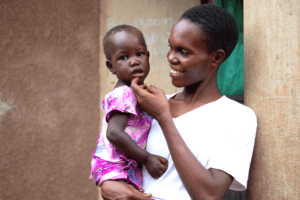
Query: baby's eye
x,y
140,54
123,57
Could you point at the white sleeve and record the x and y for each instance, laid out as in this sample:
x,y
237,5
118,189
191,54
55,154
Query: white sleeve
x,y
234,151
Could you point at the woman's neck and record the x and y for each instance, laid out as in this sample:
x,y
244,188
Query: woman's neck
x,y
202,92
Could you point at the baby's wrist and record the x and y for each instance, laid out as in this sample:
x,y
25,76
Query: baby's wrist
x,y
144,161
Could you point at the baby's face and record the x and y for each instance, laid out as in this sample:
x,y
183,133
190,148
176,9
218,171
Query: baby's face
x,y
129,56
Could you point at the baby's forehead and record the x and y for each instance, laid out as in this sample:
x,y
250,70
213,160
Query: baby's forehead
x,y
117,36
121,39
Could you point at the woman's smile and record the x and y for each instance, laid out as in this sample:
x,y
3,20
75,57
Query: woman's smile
x,y
175,74
188,57
173,71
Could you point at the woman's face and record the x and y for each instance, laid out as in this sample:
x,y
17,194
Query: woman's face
x,y
189,59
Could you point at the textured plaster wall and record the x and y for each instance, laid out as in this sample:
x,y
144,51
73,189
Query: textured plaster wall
x,y
272,89
49,98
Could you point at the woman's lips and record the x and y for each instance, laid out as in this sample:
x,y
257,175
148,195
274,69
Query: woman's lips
x,y
174,71
174,74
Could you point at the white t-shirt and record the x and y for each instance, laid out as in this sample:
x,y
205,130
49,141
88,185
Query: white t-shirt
x,y
220,134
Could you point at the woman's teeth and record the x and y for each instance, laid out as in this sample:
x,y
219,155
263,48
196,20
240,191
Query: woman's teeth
x,y
175,72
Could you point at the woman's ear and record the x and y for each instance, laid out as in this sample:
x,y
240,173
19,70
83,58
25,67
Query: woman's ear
x,y
219,57
110,67
148,54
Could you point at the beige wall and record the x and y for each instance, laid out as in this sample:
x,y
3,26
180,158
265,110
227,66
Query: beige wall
x,y
49,98
272,89
49,90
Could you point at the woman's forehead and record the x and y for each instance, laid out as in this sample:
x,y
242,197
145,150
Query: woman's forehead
x,y
186,26
187,32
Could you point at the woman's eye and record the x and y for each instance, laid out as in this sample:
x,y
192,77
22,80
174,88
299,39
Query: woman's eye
x,y
183,52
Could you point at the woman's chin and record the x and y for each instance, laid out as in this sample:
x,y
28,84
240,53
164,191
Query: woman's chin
x,y
177,84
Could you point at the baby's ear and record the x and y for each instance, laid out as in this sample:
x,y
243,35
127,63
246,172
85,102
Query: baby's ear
x,y
110,67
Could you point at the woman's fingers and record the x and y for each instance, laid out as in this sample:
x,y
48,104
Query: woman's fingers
x,y
141,89
152,100
150,88
137,195
122,191
138,89
134,84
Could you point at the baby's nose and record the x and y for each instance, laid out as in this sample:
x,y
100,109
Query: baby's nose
x,y
134,62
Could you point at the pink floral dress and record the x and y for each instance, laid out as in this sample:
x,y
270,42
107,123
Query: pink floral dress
x,y
108,163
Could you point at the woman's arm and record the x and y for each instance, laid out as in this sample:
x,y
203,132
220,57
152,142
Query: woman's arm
x,y
199,182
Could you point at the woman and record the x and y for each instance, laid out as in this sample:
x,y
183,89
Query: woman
x,y
207,138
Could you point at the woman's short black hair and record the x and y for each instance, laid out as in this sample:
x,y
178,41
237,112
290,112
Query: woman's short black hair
x,y
117,29
219,25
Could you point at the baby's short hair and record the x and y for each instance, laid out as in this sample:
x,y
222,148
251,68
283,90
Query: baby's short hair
x,y
219,25
116,29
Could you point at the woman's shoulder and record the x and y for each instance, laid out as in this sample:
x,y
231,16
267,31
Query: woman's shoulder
x,y
237,110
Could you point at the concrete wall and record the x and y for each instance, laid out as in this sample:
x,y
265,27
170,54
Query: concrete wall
x,y
272,89
49,98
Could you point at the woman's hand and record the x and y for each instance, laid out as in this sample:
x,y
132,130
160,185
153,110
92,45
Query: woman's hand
x,y
151,99
156,165
116,190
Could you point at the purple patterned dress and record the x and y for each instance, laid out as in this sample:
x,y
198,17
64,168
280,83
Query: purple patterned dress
x,y
108,163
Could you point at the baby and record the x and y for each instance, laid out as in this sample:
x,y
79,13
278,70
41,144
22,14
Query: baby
x,y
121,145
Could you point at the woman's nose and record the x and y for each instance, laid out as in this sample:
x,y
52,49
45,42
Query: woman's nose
x,y
172,58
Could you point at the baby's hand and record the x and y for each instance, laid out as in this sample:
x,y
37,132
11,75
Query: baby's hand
x,y
156,165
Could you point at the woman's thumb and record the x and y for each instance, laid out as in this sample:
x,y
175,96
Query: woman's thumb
x,y
134,81
134,85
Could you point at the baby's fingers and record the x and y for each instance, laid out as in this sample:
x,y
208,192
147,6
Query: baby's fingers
x,y
163,168
163,161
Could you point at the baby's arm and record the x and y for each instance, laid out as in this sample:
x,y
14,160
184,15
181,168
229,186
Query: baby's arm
x,y
117,123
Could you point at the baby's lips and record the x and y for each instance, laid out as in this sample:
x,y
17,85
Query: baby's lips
x,y
138,74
